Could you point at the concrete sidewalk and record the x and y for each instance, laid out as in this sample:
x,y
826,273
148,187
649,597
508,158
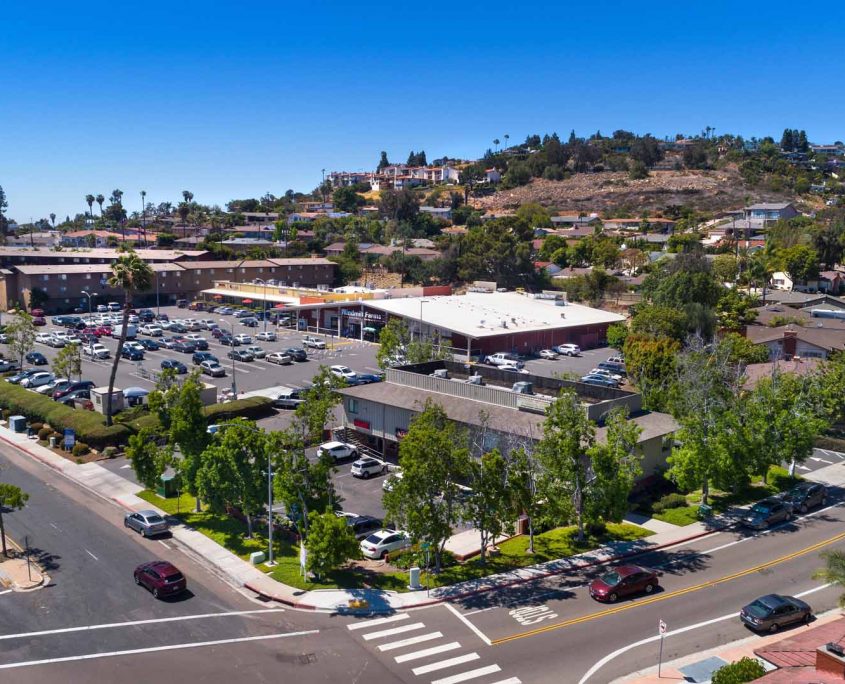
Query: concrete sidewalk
x,y
16,574
239,573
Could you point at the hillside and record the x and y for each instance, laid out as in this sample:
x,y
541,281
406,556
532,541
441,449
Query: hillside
x,y
612,193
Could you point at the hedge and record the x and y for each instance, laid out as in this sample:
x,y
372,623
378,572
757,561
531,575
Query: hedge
x,y
251,407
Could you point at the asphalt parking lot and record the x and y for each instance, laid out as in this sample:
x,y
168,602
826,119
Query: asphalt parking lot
x,y
578,365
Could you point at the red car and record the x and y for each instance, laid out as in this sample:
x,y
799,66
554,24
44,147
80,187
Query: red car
x,y
39,320
624,580
103,331
161,578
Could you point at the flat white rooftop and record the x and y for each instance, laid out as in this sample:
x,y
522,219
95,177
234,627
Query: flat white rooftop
x,y
478,314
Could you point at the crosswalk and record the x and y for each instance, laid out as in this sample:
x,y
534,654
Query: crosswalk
x,y
416,644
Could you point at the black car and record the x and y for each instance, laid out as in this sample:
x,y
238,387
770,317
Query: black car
x,y
201,345
229,341
66,389
296,353
162,317
177,328
240,355
200,356
364,525
178,366
36,358
802,497
149,344
767,512
184,346
771,612
250,322
146,316
70,397
132,354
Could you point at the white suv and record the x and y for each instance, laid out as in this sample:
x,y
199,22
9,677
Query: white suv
x,y
568,349
151,330
315,342
364,467
337,450
380,543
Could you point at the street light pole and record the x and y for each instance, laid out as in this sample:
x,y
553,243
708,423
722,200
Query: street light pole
x,y
158,301
264,283
88,294
232,348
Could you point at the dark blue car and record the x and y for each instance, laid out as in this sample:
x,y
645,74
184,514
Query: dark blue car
x,y
132,354
149,344
178,366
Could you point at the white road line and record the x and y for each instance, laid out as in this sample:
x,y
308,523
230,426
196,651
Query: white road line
x,y
475,629
480,610
434,650
395,630
153,649
618,652
393,645
55,526
443,664
5,592
380,621
509,680
821,460
161,541
134,623
472,674
91,554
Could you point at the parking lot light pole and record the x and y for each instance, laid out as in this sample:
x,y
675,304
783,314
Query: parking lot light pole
x,y
264,283
88,294
232,348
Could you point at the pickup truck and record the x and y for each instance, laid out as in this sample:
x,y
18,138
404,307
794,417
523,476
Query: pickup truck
x,y
503,359
96,351
314,342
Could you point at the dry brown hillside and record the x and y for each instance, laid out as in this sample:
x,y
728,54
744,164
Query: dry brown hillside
x,y
611,193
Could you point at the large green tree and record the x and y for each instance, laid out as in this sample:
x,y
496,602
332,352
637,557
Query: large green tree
x,y
394,339
616,465
148,460
330,543
490,505
68,362
650,363
21,335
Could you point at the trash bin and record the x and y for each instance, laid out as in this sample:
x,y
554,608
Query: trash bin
x,y
53,442
17,423
704,511
167,486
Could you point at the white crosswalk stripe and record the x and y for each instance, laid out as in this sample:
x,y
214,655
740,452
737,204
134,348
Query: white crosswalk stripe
x,y
434,650
393,645
443,664
379,621
395,630
472,674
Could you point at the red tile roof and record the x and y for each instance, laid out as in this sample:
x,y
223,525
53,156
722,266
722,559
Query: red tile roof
x,y
799,648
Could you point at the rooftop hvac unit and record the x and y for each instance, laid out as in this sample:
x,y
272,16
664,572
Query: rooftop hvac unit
x,y
475,380
441,373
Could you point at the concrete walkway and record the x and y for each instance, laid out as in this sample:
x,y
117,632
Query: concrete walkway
x,y
657,526
16,574
231,568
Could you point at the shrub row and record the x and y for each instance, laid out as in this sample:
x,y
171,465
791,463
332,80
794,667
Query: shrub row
x,y
669,501
251,407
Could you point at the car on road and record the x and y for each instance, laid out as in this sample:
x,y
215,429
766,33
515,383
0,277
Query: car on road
x,y
296,353
771,612
22,375
229,341
343,372
550,354
337,450
805,496
289,398
240,355
146,523
37,379
366,467
279,358
568,349
71,386
36,358
257,352
213,368
162,578
766,513
200,356
600,380
243,338
7,365
380,543
363,525
623,580
149,344
96,351
178,366
132,354
267,336
313,342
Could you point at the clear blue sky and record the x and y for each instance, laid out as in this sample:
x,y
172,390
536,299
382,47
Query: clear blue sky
x,y
237,99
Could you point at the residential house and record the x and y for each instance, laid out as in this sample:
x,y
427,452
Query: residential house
x,y
769,212
787,341
444,213
493,176
575,220
92,238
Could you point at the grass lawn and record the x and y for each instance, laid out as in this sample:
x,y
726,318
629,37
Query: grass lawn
x,y
230,533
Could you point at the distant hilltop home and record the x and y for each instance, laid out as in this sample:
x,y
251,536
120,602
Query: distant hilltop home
x,y
769,212
397,176
835,150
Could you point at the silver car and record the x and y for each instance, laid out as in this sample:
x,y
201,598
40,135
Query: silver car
x,y
146,523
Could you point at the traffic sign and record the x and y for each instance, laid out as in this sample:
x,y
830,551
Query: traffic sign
x,y
661,627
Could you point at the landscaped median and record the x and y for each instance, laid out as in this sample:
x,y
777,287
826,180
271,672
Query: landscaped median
x,y
512,554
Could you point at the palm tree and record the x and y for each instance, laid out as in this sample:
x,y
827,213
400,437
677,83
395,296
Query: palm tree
x,y
132,275
184,209
53,220
89,199
100,199
507,137
496,143
833,571
188,196
144,215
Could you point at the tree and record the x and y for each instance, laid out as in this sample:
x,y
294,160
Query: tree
x,y
21,334
4,204
637,171
232,470
100,199
523,476
536,216
132,275
650,363
833,571
801,263
725,268
52,216
393,342
615,467
68,362
399,205
383,162
734,310
147,459
490,506
659,321
425,501
743,670
320,399
605,254
10,497
568,435
346,199
741,350
617,333
330,543
89,200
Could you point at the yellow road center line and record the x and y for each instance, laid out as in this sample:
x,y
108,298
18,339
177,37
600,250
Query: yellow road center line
x,y
664,597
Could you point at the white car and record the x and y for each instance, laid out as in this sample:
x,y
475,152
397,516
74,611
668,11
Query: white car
x,y
193,324
151,330
314,342
568,349
194,337
344,372
365,467
38,379
43,338
208,323
513,368
391,480
50,386
380,543
504,359
96,351
268,336
605,373
548,354
279,357
134,345
257,352
337,450
243,338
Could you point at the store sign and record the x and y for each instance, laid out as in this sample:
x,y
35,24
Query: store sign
x,y
363,424
374,316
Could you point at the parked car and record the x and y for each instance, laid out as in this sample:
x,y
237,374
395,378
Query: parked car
x,y
268,336
771,612
767,512
313,342
184,346
21,375
149,344
623,580
606,373
132,354
380,543
96,351
212,368
57,384
225,311
250,322
151,330
805,496
513,368
167,342
229,341
391,480
289,398
7,365
297,353
146,523
240,355
200,356
365,467
600,380
503,359
364,525
257,352
344,372
70,398
114,306
568,349
37,379
243,338
43,337
178,366
36,358
337,450
367,378
279,358
71,386
550,354
613,367
39,321
161,578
